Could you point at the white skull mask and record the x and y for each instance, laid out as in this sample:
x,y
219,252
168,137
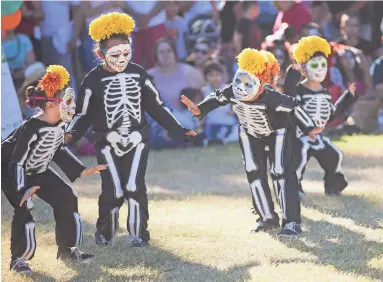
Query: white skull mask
x,y
118,57
67,105
245,85
317,68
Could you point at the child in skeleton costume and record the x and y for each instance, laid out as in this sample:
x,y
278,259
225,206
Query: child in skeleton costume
x,y
311,54
113,98
26,157
262,116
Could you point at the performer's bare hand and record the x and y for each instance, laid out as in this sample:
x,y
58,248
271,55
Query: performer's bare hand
x,y
352,88
190,105
29,193
67,138
93,170
191,133
314,132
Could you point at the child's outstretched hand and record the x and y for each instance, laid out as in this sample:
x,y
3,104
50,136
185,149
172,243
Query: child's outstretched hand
x,y
191,133
352,88
67,138
314,132
190,105
93,170
29,193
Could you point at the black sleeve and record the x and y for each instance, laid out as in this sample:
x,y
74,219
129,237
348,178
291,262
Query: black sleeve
x,y
293,77
16,168
344,102
215,99
283,103
155,107
69,163
84,111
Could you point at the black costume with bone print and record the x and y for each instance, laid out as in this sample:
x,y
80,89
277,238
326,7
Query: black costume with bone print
x,y
114,104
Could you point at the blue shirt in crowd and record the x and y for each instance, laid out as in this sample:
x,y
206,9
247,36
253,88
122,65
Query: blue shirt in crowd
x,y
16,51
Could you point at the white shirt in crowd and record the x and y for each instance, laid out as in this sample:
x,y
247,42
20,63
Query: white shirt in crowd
x,y
221,115
144,8
95,4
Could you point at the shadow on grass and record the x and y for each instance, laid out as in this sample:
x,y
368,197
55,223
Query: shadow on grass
x,y
338,246
360,210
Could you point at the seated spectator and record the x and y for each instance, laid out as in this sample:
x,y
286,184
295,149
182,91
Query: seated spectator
x,y
162,139
220,125
293,13
322,16
32,74
202,52
171,76
247,32
18,51
32,14
350,35
176,28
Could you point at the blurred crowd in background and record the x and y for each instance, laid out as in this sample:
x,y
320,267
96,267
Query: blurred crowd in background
x,y
189,48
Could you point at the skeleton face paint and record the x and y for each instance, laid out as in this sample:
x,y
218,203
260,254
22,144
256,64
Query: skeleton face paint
x,y
67,105
317,68
118,57
245,85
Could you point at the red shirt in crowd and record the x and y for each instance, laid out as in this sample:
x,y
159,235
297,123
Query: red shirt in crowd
x,y
297,16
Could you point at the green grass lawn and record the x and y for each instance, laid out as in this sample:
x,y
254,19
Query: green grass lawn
x,y
200,220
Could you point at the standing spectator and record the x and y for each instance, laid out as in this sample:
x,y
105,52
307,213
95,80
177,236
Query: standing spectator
x,y
350,35
220,124
176,28
376,73
202,52
247,33
56,31
376,23
32,15
171,76
267,16
294,13
19,54
150,17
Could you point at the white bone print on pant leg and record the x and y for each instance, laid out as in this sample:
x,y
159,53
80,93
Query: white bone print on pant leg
x,y
122,101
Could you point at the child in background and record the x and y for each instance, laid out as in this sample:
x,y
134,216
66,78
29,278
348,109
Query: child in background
x,y
247,33
176,28
221,124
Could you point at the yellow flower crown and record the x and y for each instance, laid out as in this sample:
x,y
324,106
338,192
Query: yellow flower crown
x,y
272,63
254,62
109,24
310,45
55,80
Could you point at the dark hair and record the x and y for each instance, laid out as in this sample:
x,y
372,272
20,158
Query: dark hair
x,y
203,40
248,4
98,46
190,93
164,40
313,25
211,66
35,97
318,54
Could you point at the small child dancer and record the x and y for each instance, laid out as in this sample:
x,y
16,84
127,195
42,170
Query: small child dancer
x,y
25,165
311,54
113,98
262,116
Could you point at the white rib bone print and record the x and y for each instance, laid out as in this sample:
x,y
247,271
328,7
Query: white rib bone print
x,y
253,118
42,153
122,101
319,107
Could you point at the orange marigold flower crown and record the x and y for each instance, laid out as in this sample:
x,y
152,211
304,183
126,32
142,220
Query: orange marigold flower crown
x,y
55,80
308,46
272,63
254,62
109,24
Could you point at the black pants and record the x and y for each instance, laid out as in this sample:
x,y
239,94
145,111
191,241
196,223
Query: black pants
x,y
283,166
62,198
123,180
329,158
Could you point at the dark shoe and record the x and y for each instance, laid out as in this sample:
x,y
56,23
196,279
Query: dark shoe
x,y
100,239
331,192
20,266
266,225
137,242
291,229
73,254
